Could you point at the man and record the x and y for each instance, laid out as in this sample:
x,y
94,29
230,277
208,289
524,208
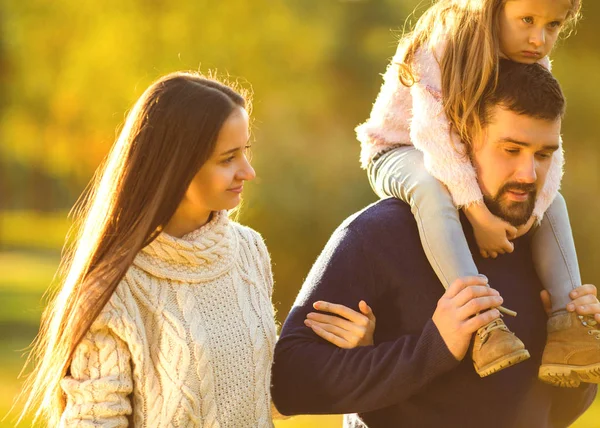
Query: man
x,y
416,375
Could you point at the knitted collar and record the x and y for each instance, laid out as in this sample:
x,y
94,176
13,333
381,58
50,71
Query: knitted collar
x,y
201,255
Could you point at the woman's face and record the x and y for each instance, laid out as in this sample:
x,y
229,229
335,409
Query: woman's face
x,y
219,183
528,29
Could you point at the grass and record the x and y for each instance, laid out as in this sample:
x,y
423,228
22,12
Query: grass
x,y
22,283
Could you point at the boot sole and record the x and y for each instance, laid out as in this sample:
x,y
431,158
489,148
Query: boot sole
x,y
502,363
568,376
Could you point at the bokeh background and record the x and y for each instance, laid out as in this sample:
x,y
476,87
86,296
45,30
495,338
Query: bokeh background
x,y
69,71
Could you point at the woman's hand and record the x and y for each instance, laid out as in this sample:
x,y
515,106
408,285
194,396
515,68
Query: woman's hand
x,y
491,233
352,330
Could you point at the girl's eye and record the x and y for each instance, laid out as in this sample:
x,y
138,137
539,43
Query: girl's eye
x,y
528,20
554,24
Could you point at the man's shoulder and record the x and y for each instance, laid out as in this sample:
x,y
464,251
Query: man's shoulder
x,y
381,212
383,217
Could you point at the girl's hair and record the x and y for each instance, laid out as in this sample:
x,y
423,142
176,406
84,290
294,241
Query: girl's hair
x,y
468,32
168,135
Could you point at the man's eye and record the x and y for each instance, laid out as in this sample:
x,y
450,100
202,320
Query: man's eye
x,y
512,151
528,20
544,155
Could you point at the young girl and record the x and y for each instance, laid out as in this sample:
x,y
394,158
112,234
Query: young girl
x,y
164,317
422,126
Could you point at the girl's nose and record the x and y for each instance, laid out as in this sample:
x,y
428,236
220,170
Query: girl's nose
x,y
537,38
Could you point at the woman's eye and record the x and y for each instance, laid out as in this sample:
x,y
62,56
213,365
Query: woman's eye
x,y
228,160
528,20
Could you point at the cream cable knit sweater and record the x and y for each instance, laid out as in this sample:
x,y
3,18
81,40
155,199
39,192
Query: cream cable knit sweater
x,y
185,341
414,115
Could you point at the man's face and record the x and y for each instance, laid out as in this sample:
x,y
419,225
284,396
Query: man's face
x,y
512,157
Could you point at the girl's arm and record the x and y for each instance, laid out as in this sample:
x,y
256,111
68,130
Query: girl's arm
x,y
445,157
387,125
100,382
444,154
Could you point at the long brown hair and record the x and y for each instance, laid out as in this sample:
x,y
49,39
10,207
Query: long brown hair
x,y
468,30
167,136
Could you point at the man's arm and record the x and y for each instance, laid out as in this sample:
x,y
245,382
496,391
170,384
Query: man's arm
x,y
569,404
314,377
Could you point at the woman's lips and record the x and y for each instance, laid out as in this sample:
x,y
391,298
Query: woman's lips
x,y
236,189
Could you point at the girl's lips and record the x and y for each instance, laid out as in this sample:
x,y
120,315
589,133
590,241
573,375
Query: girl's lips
x,y
531,54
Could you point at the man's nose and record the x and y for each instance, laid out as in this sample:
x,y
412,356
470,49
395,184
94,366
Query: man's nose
x,y
526,172
537,37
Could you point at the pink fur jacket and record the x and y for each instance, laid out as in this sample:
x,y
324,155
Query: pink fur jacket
x,y
414,115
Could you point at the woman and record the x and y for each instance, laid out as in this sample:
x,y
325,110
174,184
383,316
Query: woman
x,y
164,316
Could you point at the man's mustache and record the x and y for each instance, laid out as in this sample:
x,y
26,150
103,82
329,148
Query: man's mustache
x,y
521,187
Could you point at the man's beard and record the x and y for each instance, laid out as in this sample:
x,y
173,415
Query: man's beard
x,y
516,213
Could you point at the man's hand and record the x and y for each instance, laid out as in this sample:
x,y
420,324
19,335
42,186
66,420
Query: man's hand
x,y
584,301
463,309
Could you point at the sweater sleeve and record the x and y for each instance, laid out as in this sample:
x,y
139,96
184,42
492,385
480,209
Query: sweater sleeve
x,y
444,155
387,125
569,404
315,377
100,382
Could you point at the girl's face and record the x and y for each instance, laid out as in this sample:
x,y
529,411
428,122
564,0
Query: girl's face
x,y
219,183
528,29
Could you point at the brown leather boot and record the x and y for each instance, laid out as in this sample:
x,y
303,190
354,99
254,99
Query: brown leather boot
x,y
572,353
496,348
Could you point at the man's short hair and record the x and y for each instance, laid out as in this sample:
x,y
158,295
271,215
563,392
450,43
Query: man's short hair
x,y
527,89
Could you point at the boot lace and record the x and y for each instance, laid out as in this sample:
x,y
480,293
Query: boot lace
x,y
498,324
589,321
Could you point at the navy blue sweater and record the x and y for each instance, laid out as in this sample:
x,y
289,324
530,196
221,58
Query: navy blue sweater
x,y
409,378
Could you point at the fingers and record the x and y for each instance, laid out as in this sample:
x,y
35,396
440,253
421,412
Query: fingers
x,y
366,310
511,231
591,309
484,254
462,283
473,292
508,247
327,335
477,305
340,310
478,321
546,302
585,300
583,290
338,322
493,254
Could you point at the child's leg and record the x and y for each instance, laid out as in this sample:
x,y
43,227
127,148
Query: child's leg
x,y
401,173
554,255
